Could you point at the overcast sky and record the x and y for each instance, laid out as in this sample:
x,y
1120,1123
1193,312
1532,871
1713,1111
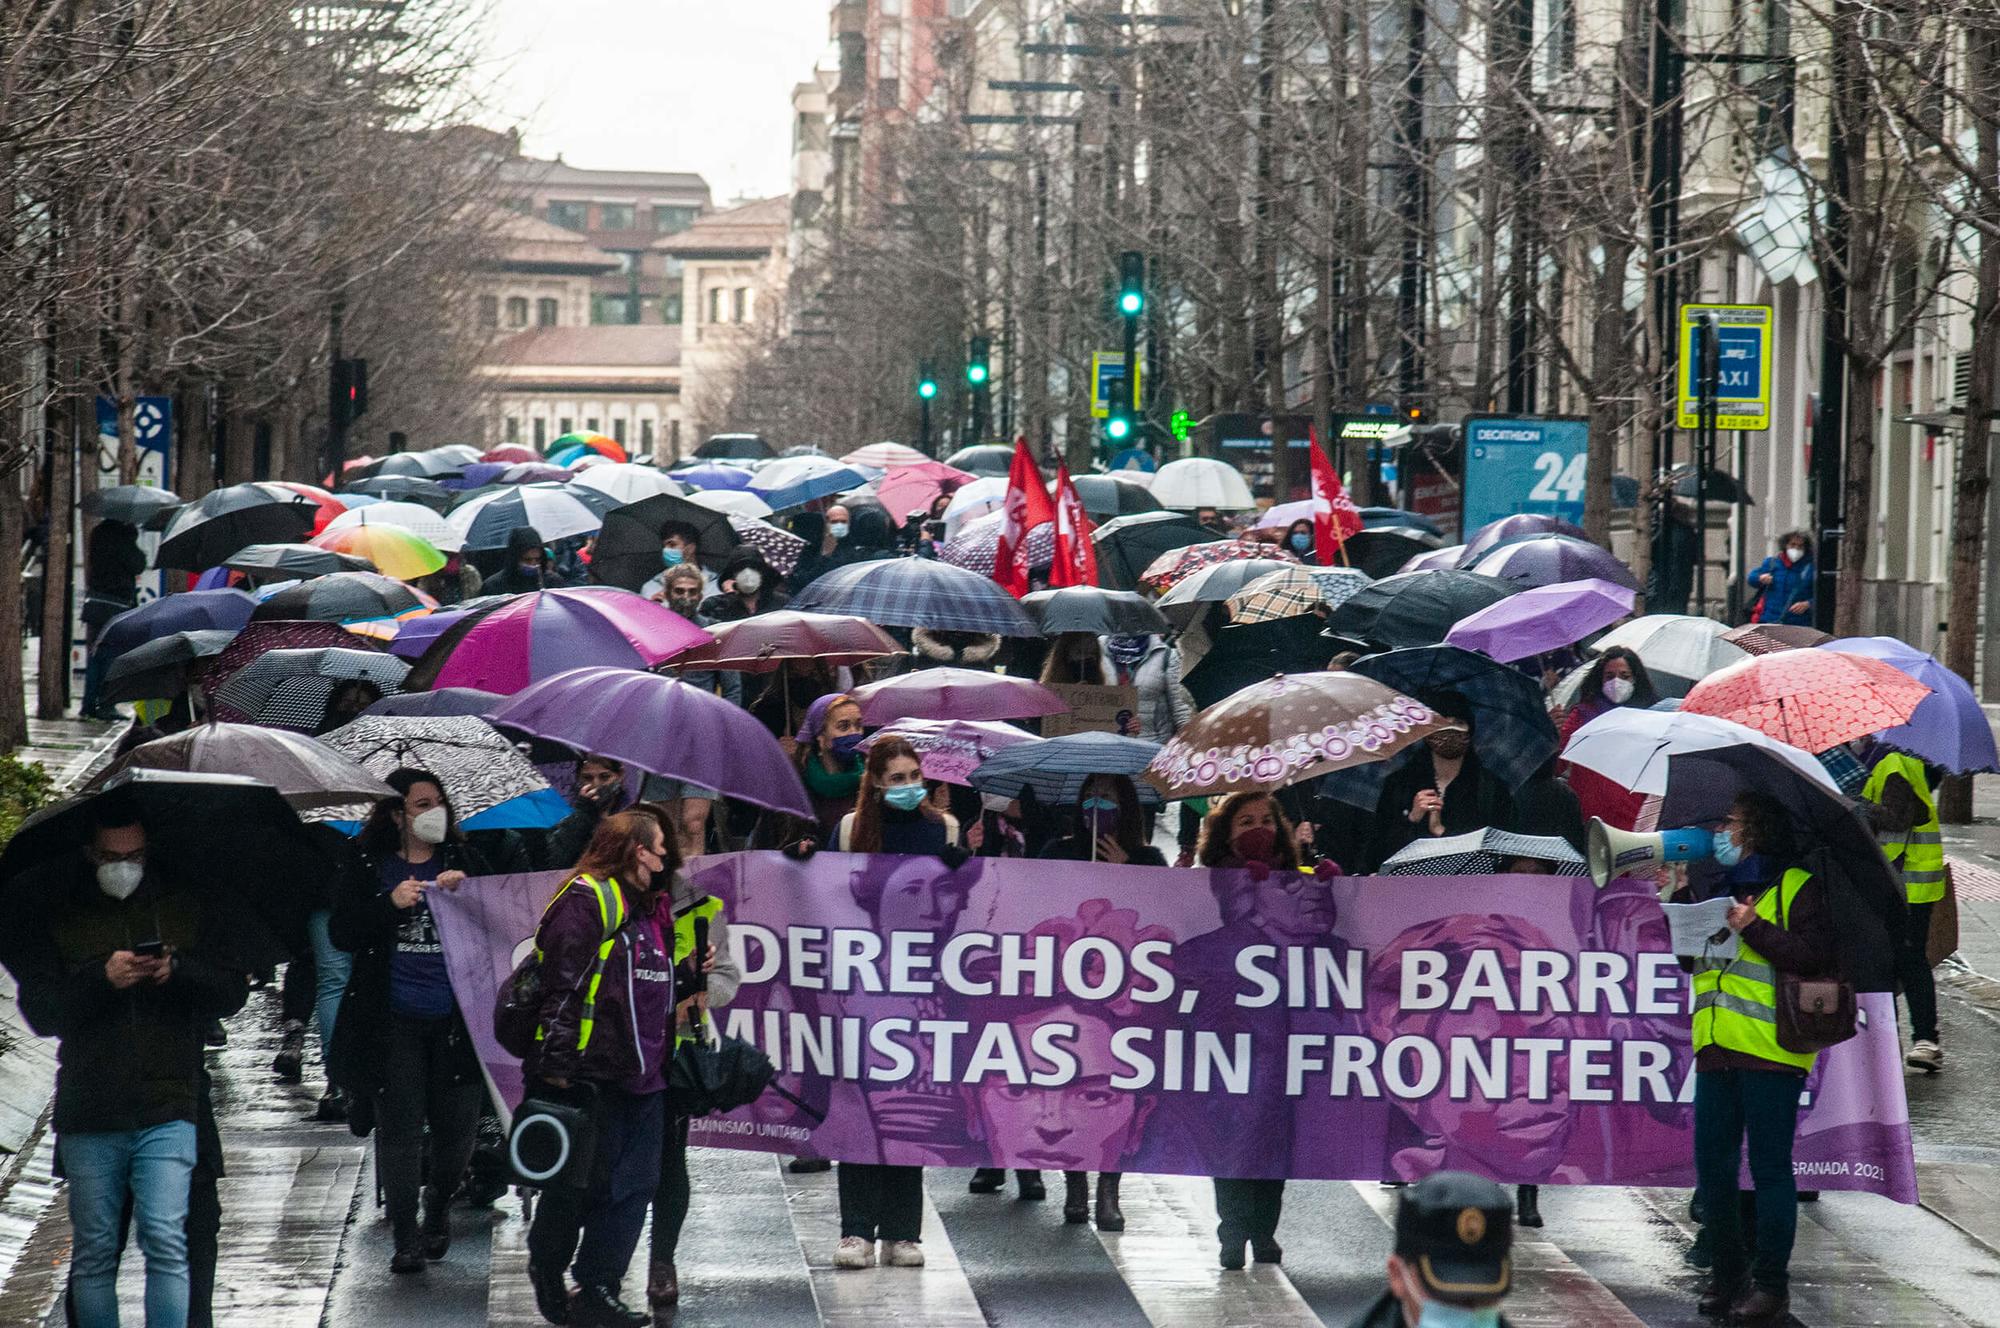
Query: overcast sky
x,y
692,85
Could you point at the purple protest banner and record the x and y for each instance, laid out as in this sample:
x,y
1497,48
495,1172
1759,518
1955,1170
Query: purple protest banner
x,y
1099,1018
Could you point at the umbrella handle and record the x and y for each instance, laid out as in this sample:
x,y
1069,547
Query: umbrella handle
x,y
818,1116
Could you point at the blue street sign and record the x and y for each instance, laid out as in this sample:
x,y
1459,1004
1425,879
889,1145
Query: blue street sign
x,y
1524,464
1133,458
152,422
1743,342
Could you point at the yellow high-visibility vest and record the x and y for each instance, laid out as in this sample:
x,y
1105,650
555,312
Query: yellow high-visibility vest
x,y
710,908
611,914
1736,1000
1920,853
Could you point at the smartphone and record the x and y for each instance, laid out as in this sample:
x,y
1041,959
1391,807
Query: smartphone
x,y
150,949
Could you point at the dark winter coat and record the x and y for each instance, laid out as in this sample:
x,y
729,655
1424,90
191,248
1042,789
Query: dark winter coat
x,y
129,1059
1476,800
571,931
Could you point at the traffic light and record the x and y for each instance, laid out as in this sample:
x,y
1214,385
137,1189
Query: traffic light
x,y
350,389
1131,283
1181,425
978,351
926,382
1118,428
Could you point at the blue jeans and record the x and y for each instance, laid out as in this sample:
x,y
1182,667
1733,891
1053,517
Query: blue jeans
x,y
331,966
153,1166
1762,1107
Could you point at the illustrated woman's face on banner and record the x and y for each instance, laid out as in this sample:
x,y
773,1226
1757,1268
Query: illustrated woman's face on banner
x,y
1084,1125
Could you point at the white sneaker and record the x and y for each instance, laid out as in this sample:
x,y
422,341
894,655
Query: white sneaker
x,y
902,1254
854,1252
1925,1056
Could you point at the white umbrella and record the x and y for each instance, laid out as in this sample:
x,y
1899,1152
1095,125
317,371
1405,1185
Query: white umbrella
x,y
554,515
734,502
1202,482
884,456
1631,747
413,517
1681,645
626,482
971,500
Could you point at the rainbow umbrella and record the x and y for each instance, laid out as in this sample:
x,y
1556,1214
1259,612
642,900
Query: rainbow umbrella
x,y
573,445
395,551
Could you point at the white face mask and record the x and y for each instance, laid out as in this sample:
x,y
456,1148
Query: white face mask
x,y
120,879
431,826
749,580
1617,690
1794,554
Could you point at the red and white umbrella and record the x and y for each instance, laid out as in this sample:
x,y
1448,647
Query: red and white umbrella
x,y
1812,699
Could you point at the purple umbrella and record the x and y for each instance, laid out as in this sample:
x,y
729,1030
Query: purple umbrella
x,y
950,749
414,635
712,476
955,694
1436,560
1542,619
1511,529
1948,728
536,636
1546,560
664,726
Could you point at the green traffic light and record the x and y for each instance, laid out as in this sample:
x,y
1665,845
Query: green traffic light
x,y
975,374
1118,428
927,389
1130,303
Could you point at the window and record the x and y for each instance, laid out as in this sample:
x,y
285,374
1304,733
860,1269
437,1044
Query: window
x,y
548,311
628,260
517,311
541,432
569,216
670,309
563,426
673,220
614,309
489,311
715,295
590,426
618,432
615,216
742,304
513,428
645,435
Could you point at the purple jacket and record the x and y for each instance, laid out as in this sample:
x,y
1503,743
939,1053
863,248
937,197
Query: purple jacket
x,y
572,930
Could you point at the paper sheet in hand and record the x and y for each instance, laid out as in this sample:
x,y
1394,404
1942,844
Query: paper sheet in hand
x,y
1695,927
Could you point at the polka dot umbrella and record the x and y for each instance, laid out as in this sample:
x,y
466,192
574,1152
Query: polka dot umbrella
x,y
1812,699
977,546
1176,565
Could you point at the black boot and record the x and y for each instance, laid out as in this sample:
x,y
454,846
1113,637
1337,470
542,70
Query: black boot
x,y
289,1063
988,1180
1528,1205
436,1230
551,1292
409,1255
1110,1217
1076,1197
332,1106
1717,1297
1266,1249
1031,1185
599,1307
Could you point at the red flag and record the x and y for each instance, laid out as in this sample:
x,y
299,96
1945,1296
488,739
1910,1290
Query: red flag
x,y
1076,554
1341,518
1027,505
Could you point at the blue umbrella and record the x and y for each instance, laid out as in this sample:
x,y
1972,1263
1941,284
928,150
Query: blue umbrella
x,y
916,592
712,476
1056,768
1949,728
796,481
190,611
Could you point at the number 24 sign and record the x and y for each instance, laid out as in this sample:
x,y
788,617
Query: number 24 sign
x,y
1521,464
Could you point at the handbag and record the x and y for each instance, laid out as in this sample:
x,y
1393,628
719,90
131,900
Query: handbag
x,y
1943,941
1814,1013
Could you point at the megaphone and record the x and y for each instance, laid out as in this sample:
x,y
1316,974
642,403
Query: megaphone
x,y
1613,852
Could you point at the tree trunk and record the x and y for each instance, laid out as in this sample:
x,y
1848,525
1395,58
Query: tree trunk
x,y
1858,473
1608,366
52,672
1975,478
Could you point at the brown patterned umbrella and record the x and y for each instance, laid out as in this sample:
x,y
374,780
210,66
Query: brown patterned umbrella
x,y
1770,638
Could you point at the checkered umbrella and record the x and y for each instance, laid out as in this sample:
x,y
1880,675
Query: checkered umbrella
x,y
1058,768
1511,730
479,767
1176,565
260,638
289,688
1291,592
977,544
916,592
1483,853
1215,583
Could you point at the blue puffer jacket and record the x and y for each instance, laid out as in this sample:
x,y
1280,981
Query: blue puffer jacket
x,y
1791,583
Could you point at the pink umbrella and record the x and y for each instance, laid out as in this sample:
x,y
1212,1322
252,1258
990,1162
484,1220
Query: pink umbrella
x,y
1812,699
542,634
955,694
662,726
767,641
951,749
907,489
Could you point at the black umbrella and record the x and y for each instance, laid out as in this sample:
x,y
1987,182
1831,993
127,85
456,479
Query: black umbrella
x,y
295,560
1253,652
711,1077
735,446
444,703
343,597
985,459
628,547
1126,545
160,668
403,488
1415,608
134,504
426,465
1094,610
234,840
189,611
1380,550
1511,729
1105,496
1867,898
218,524
1721,486
1373,517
